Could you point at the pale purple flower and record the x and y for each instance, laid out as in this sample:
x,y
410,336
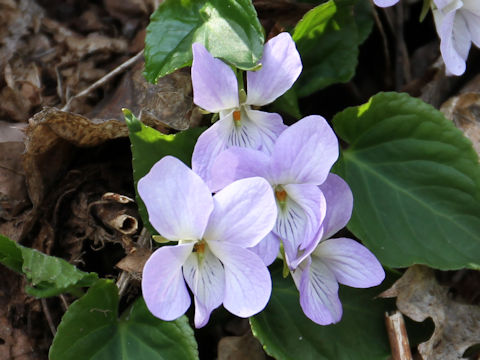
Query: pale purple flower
x,y
385,3
215,89
213,235
300,161
334,261
458,25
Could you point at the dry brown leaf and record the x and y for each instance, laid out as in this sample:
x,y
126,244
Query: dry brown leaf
x,y
245,347
168,103
457,325
48,146
133,263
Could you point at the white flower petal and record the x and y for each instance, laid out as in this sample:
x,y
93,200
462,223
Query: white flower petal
x,y
299,220
339,200
281,66
305,152
163,286
178,202
247,279
267,249
214,83
319,293
269,127
352,263
238,163
244,213
205,276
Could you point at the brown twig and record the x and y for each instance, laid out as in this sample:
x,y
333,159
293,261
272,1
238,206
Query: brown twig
x,y
46,311
119,69
397,335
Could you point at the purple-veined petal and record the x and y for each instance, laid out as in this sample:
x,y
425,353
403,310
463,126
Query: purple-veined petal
x,y
244,213
220,136
352,263
319,293
299,218
302,254
214,83
179,203
269,125
205,276
339,205
238,163
163,286
385,3
305,152
245,133
267,249
247,279
281,66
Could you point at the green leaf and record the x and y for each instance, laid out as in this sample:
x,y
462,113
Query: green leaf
x,y
363,17
91,330
327,39
287,104
150,145
415,180
286,333
48,275
229,29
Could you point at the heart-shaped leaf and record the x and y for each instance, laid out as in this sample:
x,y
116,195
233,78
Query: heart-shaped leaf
x,y
415,180
90,329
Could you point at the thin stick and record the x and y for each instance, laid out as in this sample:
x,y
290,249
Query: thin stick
x,y
64,302
397,335
122,67
48,316
386,52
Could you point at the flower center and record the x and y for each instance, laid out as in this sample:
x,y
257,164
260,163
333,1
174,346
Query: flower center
x,y
281,196
199,247
237,116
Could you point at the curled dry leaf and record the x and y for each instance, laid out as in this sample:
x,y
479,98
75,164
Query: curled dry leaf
x,y
50,138
457,325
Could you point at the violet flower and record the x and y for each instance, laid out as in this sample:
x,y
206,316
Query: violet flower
x,y
334,261
385,3
300,161
215,89
458,25
213,235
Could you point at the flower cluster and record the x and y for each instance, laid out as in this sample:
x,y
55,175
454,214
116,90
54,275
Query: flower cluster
x,y
273,194
458,25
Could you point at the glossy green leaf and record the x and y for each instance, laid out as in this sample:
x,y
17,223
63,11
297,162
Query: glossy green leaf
x,y
48,275
90,329
415,180
327,38
287,334
229,29
150,145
